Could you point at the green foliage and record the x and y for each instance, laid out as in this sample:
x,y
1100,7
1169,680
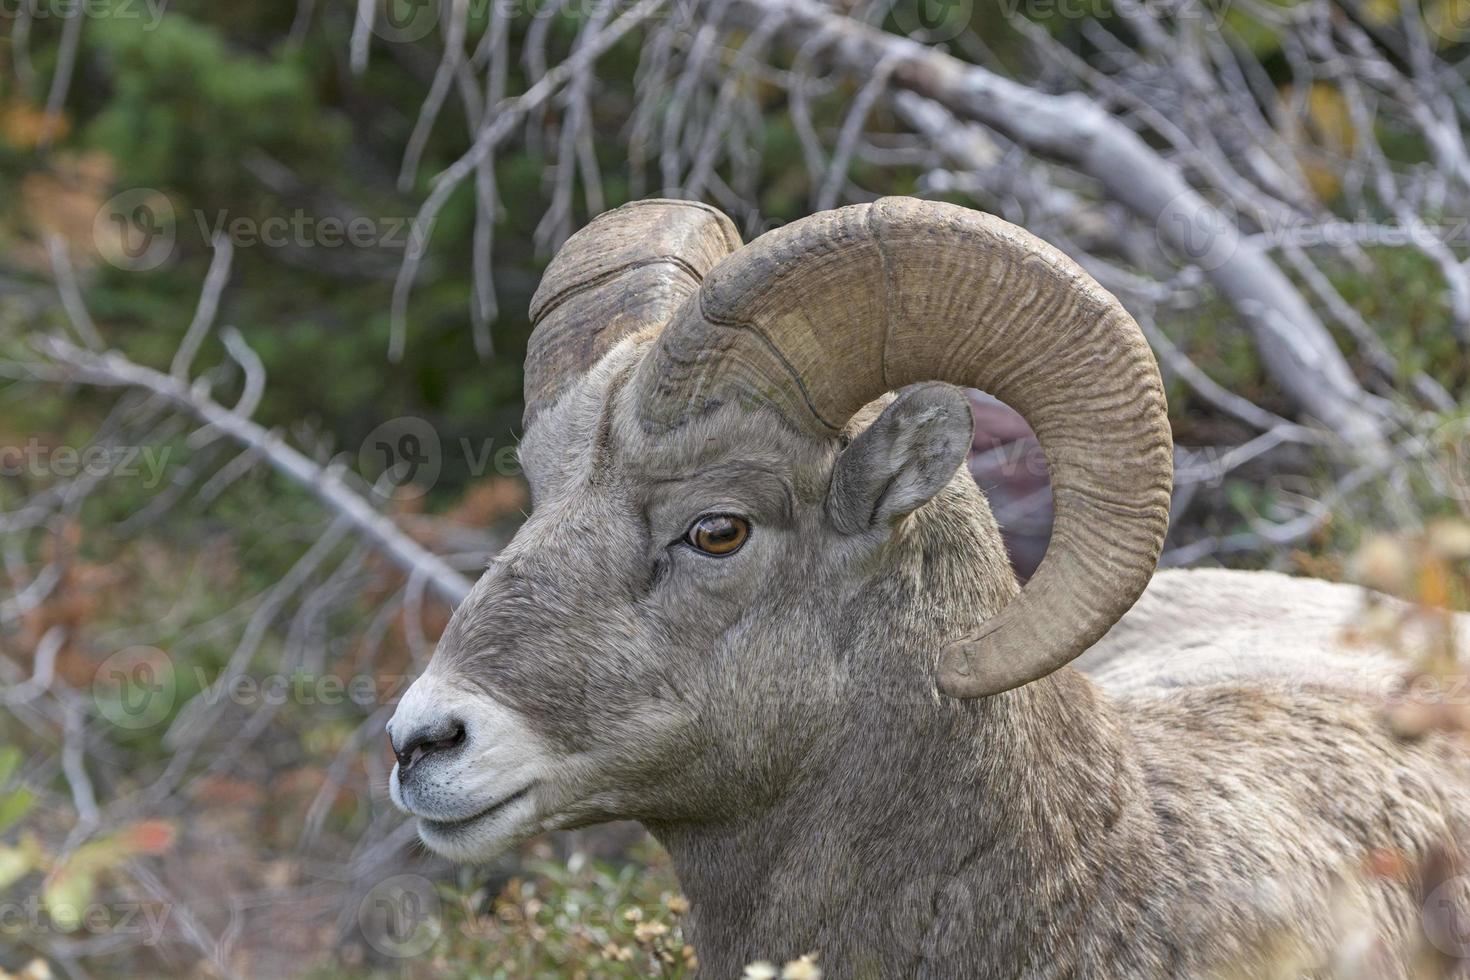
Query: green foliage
x,y
15,801
1406,300
183,105
559,921
233,117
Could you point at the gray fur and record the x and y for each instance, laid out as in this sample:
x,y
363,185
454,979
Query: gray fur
x,y
772,717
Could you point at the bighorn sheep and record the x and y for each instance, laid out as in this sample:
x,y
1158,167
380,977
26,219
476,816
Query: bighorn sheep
x,y
760,607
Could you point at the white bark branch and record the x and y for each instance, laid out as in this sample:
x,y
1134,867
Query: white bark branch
x,y
112,369
1295,347
500,122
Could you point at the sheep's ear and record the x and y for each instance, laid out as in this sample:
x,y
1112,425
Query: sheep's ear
x,y
900,461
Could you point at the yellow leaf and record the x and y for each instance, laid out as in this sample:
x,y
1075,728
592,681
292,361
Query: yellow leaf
x,y
67,893
17,862
1331,120
25,126
1323,134
1380,11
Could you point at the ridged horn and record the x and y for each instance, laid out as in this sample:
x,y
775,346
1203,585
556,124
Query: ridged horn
x,y
627,270
821,316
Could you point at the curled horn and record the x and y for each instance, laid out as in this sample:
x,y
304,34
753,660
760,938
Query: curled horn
x,y
820,317
628,270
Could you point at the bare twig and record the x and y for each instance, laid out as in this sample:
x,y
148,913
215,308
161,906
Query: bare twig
x,y
1296,349
114,370
71,293
66,62
500,123
204,312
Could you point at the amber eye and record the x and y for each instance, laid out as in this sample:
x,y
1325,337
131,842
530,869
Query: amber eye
x,y
718,534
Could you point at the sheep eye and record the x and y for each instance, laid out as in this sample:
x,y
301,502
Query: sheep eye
x,y
718,534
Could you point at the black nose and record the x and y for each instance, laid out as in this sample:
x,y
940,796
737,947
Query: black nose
x,y
426,741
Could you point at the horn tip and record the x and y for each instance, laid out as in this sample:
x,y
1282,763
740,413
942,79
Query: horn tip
x,y
967,670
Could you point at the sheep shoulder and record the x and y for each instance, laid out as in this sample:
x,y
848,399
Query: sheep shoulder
x,y
1274,786
1200,628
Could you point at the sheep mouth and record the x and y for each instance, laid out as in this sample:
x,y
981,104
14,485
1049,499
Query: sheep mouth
x,y
446,827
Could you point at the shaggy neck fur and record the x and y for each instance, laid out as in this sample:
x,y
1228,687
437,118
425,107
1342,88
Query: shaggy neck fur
x,y
1017,806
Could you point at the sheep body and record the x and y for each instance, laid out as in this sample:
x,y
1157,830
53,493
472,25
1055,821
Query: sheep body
x,y
1212,791
1257,709
854,731
1199,626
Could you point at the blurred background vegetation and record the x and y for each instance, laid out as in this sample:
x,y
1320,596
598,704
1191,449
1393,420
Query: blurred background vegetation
x,y
259,828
